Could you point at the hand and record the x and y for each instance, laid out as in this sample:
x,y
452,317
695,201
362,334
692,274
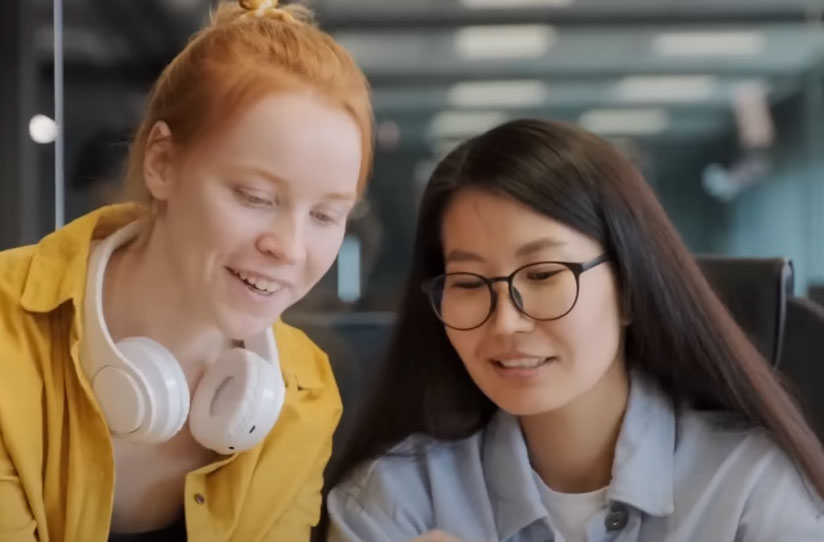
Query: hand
x,y
436,536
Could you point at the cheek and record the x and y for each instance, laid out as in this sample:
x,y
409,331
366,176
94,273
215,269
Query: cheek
x,y
589,337
203,253
220,236
207,215
230,225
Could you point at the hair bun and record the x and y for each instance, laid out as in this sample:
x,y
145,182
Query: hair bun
x,y
228,12
269,8
252,4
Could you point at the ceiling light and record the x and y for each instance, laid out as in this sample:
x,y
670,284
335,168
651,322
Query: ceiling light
x,y
442,147
676,88
504,41
461,124
509,4
42,129
523,93
625,121
697,44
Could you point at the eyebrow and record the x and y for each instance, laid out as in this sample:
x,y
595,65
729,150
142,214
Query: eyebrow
x,y
538,245
341,196
280,181
457,255
268,175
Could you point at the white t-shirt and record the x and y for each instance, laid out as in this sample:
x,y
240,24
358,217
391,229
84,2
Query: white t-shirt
x,y
570,512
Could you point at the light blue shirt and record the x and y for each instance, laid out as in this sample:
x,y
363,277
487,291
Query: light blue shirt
x,y
678,476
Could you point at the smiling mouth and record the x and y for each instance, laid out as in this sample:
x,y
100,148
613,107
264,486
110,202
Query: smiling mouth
x,y
522,363
257,285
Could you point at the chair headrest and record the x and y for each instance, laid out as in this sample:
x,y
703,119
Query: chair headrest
x,y
755,291
801,360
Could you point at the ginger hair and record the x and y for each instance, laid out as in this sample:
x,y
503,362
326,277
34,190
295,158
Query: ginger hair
x,y
250,48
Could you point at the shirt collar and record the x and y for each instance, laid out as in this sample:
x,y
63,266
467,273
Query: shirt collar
x,y
643,468
58,267
644,464
515,498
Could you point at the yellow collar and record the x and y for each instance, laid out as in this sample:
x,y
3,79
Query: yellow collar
x,y
58,267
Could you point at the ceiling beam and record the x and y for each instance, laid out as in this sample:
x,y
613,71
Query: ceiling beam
x,y
336,14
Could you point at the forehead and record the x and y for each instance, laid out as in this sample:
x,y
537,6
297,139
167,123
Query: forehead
x,y
295,136
493,225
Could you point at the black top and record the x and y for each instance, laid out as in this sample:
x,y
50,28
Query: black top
x,y
176,532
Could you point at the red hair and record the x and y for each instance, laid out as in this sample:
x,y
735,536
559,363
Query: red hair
x,y
249,49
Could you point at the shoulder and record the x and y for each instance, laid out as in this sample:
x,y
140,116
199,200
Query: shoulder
x,y
25,348
20,333
14,269
750,473
720,444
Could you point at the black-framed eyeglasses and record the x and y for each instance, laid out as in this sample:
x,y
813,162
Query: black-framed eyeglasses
x,y
541,290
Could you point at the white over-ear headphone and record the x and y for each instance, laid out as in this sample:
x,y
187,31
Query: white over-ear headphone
x,y
144,394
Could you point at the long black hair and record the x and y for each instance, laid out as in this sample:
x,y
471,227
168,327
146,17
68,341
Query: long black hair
x,y
680,333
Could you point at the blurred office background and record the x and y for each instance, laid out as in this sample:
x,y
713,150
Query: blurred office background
x,y
719,102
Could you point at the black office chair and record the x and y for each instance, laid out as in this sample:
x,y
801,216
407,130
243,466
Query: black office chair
x,y
755,291
788,330
802,357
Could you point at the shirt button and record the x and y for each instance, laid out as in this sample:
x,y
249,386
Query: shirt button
x,y
199,498
617,518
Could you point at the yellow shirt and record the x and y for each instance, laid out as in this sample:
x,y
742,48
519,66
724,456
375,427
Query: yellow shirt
x,y
56,459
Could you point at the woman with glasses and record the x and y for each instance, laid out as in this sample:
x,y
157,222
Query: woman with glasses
x,y
561,371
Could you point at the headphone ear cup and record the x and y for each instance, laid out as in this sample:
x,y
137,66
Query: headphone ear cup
x,y
237,402
162,385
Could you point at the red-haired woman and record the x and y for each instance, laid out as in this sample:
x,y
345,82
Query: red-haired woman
x,y
148,389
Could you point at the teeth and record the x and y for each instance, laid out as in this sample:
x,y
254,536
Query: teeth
x,y
263,284
523,363
258,282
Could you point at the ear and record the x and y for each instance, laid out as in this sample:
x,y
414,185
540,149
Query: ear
x,y
158,161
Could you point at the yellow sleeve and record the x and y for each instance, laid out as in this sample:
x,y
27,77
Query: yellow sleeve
x,y
16,521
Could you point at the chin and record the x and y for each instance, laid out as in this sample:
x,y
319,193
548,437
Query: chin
x,y
239,326
529,404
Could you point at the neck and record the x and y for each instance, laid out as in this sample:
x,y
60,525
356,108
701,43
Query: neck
x,y
572,449
142,297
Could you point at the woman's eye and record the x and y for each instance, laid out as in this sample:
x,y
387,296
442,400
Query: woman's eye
x,y
254,199
465,283
542,275
324,218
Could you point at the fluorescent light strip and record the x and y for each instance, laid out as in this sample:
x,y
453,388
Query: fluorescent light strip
x,y
701,44
625,121
509,4
504,41
460,124
442,147
676,88
523,93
